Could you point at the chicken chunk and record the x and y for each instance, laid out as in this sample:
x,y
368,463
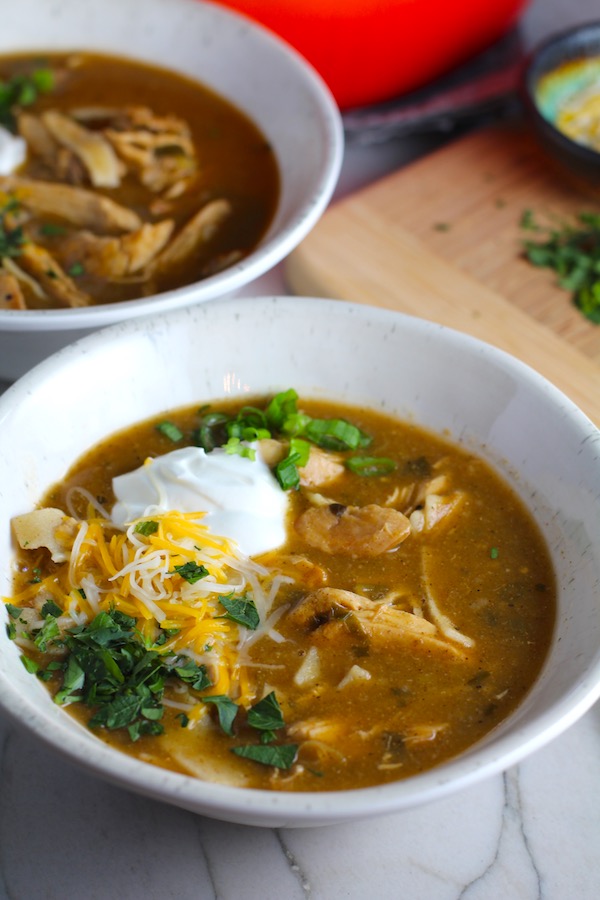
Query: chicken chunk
x,y
321,469
50,528
333,613
359,531
324,604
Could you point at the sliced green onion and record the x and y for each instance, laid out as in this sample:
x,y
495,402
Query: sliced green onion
x,y
370,466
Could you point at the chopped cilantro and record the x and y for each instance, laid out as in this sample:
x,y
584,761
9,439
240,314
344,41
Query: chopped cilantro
x,y
572,251
241,610
227,710
282,756
50,608
13,611
191,572
266,715
12,237
30,664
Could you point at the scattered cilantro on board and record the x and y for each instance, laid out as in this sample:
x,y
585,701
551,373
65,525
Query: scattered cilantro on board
x,y
573,252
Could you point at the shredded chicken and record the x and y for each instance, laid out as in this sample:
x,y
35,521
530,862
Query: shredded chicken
x,y
78,206
331,612
11,296
199,230
91,147
54,281
359,531
159,149
116,257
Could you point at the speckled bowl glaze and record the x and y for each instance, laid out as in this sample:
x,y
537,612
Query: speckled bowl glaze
x,y
481,397
238,59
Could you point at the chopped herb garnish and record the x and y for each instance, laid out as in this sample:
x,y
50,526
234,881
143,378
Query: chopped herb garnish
x,y
191,572
282,756
110,669
573,252
52,229
370,466
212,431
227,710
37,576
76,270
48,633
147,527
50,608
12,237
235,447
13,611
494,552
193,674
241,610
170,430
286,470
266,715
183,719
30,664
22,90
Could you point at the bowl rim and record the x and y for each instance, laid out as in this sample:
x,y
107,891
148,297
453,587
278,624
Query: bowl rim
x,y
267,808
271,249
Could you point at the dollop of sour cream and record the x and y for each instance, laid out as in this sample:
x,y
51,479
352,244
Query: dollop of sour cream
x,y
13,152
240,496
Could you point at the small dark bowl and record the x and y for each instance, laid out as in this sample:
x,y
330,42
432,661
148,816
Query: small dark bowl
x,y
562,52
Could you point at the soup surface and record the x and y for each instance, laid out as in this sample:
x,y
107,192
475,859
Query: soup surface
x,y
121,180
405,611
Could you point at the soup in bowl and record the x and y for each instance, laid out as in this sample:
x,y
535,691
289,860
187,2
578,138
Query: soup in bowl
x,y
147,168
300,593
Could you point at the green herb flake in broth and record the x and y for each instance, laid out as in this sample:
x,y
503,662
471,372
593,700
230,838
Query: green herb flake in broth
x,y
227,710
370,466
170,431
281,756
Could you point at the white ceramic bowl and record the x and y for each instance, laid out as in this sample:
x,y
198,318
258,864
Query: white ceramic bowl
x,y
447,381
239,60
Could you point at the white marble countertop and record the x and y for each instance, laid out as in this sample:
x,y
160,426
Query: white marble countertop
x,y
532,833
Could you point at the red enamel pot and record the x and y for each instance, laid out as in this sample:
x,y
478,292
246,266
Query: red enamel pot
x,y
369,51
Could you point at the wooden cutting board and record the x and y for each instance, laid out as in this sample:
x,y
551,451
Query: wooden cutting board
x,y
441,239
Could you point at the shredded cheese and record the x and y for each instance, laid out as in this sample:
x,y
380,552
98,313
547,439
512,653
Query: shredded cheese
x,y
136,574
